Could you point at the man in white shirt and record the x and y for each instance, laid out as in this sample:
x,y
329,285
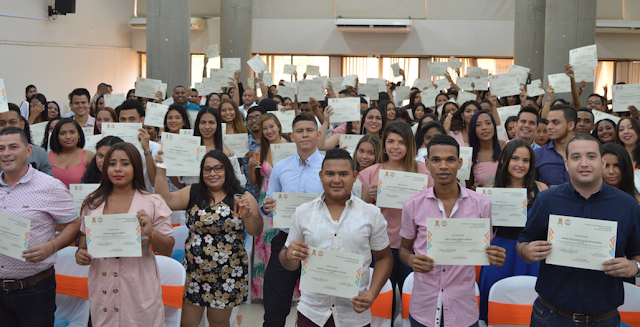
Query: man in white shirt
x,y
79,103
132,111
338,220
248,101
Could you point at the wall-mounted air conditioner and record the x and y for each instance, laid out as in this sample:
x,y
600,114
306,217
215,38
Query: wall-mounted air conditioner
x,y
141,23
373,25
617,26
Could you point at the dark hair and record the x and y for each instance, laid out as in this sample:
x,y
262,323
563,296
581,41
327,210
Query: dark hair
x,y
238,122
132,91
382,105
584,137
433,116
424,108
44,115
383,96
444,106
217,136
57,106
503,178
231,184
634,124
304,117
267,104
383,115
457,122
279,97
45,138
363,100
56,147
436,100
603,100
443,139
585,110
27,130
422,131
570,114
531,110
113,115
179,86
79,92
339,154
101,195
93,173
402,114
627,183
377,147
562,101
403,129
15,130
594,133
129,105
256,108
29,87
209,97
345,92
412,97
474,141
510,119
545,121
183,112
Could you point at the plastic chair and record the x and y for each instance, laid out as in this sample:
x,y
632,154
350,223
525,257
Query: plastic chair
x,y
407,288
381,307
511,301
630,310
72,298
172,279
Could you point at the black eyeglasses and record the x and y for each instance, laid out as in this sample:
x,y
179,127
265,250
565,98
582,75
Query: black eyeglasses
x,y
216,169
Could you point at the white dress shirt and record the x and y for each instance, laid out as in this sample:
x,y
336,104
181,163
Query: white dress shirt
x,y
360,230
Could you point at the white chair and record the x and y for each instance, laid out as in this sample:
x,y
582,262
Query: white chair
x,y
630,310
180,233
381,307
72,298
407,288
172,279
511,301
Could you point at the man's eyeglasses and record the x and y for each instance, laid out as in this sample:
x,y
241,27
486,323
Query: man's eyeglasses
x,y
250,118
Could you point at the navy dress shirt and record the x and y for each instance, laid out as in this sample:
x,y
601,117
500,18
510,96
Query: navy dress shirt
x,y
550,166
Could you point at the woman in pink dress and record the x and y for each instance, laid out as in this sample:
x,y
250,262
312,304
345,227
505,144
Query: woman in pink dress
x,y
68,159
126,291
483,138
259,172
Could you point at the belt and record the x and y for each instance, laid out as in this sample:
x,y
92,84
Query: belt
x,y
14,285
579,317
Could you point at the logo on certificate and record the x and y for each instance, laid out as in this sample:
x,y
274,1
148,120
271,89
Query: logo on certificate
x,y
320,253
567,222
99,219
285,196
393,175
444,223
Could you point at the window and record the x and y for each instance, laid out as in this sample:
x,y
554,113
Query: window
x,y
197,66
276,66
371,67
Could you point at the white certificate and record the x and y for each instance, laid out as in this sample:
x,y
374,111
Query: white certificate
x,y
128,132
502,133
437,68
350,141
583,61
336,83
465,83
464,173
113,100
91,141
257,64
232,63
287,91
286,120
465,96
421,84
481,84
508,205
458,241
286,204
402,93
345,109
508,111
239,143
267,78
535,88
4,103
561,82
14,235
503,85
396,69
181,154
188,132
211,51
349,80
429,96
310,88
599,115
147,87
330,272
624,96
442,84
520,71
454,63
313,70
477,72
87,131
154,114
357,188
581,242
251,82
79,192
394,187
380,82
280,151
289,69
111,236
37,132
369,90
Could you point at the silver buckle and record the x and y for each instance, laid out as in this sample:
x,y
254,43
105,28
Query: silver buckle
x,y
576,315
4,284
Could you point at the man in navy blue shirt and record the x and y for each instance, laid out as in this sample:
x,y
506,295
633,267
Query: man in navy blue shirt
x,y
567,296
550,157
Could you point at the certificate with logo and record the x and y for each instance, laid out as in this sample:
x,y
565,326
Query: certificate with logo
x,y
147,87
181,154
330,272
79,192
581,242
459,241
625,96
154,114
464,173
508,205
239,143
281,151
345,109
128,132
350,141
394,187
286,204
110,236
14,235
286,120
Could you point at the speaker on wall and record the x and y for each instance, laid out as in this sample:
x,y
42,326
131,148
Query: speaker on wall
x,y
63,7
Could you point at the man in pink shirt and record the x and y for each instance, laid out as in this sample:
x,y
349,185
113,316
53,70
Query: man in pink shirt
x,y
442,295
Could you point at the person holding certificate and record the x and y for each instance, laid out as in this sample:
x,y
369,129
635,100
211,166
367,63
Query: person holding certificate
x,y
399,153
568,294
219,211
515,170
443,295
367,153
33,202
457,125
296,174
372,123
232,117
93,175
126,291
254,115
355,227
483,138
176,119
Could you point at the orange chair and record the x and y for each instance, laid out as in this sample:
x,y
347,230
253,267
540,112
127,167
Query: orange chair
x,y
630,310
72,292
511,301
381,307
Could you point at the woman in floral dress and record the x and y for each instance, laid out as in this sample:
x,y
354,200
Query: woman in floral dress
x,y
215,257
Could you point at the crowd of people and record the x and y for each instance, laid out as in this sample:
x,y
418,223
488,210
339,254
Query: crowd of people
x,y
569,163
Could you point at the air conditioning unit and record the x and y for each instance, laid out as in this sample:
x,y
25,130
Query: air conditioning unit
x,y
373,25
197,23
618,26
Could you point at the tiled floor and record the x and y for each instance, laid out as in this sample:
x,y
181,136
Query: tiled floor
x,y
252,315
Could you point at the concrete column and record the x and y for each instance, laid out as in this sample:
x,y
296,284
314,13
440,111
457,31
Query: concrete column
x,y
168,42
235,32
569,24
528,45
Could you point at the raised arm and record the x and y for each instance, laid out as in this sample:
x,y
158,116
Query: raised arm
x,y
325,144
263,88
176,200
575,96
547,105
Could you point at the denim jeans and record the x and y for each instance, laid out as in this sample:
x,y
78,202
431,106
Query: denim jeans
x,y
30,307
541,316
414,323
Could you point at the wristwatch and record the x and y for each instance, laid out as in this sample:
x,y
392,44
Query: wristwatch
x,y
147,153
638,273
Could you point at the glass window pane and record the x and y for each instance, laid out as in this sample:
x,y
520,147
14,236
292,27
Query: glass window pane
x,y
197,64
364,67
277,67
409,65
302,61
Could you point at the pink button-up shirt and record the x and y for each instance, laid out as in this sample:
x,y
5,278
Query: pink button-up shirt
x,y
43,200
448,288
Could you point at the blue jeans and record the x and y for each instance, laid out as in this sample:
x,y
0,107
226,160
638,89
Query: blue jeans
x,y
414,323
30,307
541,316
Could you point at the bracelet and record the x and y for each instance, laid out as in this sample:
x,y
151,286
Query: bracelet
x,y
285,253
80,248
151,235
147,153
247,216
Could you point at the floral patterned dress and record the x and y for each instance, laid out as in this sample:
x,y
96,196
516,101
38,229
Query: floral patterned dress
x,y
215,258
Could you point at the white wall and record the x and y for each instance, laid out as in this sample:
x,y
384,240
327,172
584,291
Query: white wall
x,y
77,50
